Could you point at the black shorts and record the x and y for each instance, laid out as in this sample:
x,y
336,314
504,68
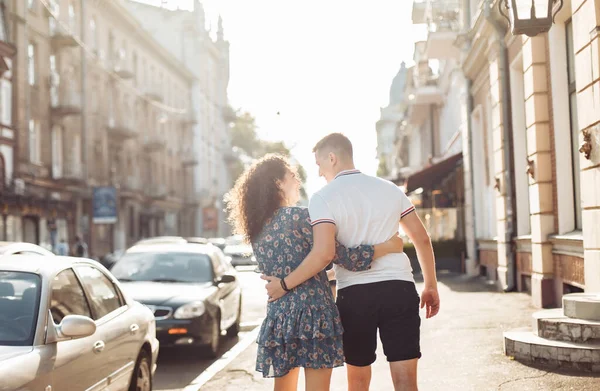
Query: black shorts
x,y
390,306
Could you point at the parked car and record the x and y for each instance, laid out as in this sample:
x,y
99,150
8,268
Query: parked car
x,y
66,325
22,248
241,253
192,289
219,242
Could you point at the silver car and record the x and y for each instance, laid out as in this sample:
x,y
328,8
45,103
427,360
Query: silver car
x,y
66,325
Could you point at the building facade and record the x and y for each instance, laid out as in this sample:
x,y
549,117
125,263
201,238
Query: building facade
x,y
184,33
99,103
534,150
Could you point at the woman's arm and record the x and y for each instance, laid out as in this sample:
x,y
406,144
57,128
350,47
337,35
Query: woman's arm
x,y
360,258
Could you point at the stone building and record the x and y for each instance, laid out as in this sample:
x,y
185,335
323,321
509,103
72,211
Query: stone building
x,y
534,150
99,102
184,34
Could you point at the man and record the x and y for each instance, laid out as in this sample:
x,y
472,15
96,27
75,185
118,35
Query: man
x,y
62,248
362,209
81,249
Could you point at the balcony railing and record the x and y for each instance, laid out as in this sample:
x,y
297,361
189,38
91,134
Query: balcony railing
x,y
154,142
158,191
122,126
189,157
154,91
65,101
122,65
61,37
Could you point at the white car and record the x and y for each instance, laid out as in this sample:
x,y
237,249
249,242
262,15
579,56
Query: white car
x,y
22,248
66,325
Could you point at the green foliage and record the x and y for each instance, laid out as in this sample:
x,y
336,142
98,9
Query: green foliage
x,y
244,136
382,170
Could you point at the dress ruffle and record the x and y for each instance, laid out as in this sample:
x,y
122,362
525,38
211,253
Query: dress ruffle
x,y
305,323
303,353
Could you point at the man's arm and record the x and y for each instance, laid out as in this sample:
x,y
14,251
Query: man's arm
x,y
413,227
322,253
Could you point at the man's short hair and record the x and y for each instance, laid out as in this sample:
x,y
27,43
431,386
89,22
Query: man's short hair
x,y
336,143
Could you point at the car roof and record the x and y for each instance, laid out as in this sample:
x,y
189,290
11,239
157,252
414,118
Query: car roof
x,y
197,248
42,265
22,246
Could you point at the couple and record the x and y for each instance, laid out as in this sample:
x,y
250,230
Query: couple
x,y
376,290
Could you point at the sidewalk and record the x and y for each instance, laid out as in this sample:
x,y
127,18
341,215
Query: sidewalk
x,y
462,349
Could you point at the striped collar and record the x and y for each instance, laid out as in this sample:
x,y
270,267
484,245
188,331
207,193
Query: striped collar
x,y
347,172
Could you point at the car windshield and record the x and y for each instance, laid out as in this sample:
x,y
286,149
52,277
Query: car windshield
x,y
164,267
19,300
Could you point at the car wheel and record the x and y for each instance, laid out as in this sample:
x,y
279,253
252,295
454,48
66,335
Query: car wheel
x,y
234,330
215,338
141,380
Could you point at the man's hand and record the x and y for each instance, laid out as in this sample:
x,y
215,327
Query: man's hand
x,y
274,288
395,244
431,300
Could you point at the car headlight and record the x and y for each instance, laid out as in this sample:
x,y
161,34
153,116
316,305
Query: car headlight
x,y
190,310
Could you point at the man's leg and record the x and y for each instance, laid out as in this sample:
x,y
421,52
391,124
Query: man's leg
x,y
404,375
359,378
399,329
359,318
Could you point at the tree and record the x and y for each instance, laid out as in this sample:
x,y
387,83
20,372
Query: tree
x,y
249,146
382,170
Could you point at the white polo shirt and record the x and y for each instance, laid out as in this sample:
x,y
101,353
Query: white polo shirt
x,y
365,210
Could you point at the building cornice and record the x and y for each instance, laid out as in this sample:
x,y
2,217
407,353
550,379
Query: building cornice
x,y
148,39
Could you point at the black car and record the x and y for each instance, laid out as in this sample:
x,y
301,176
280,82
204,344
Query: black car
x,y
191,288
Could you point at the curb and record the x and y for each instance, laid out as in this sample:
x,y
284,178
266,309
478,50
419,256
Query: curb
x,y
222,362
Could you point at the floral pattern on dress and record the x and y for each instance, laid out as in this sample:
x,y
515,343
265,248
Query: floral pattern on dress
x,y
303,328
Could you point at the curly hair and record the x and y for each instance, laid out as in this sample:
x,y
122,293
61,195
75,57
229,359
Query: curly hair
x,y
256,195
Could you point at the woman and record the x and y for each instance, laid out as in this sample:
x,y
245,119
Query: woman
x,y
303,328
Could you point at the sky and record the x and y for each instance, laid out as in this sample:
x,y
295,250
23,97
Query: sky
x,y
308,68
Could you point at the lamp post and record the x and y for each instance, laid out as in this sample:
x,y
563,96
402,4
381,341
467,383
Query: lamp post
x,y
530,17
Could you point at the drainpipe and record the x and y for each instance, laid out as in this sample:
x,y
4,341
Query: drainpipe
x,y
501,30
467,23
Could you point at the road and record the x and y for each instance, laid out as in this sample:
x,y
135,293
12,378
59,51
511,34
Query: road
x,y
177,368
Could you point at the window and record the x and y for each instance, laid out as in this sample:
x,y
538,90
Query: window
x,y
34,142
57,152
167,266
573,122
93,35
6,102
131,222
72,18
31,4
19,298
31,66
103,294
67,297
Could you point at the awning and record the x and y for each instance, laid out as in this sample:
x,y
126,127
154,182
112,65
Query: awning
x,y
433,174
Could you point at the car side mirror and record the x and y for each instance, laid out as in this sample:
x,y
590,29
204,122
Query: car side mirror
x,y
71,327
226,279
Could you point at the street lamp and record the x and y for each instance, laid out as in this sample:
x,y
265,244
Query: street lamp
x,y
530,17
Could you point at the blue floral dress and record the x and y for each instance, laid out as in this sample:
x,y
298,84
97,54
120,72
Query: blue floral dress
x,y
303,328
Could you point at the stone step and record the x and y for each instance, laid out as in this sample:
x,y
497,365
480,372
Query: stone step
x,y
582,306
554,325
527,347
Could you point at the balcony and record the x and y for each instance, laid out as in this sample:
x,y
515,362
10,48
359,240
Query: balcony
x,y
60,37
65,101
158,192
122,127
122,65
130,184
154,142
153,91
189,157
190,118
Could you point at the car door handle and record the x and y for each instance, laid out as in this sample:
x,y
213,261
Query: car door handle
x,y
134,328
99,347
